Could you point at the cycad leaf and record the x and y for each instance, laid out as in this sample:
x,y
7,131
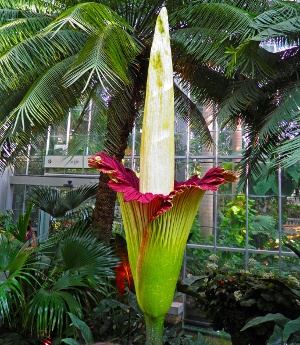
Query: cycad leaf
x,y
106,56
89,17
186,109
20,29
35,55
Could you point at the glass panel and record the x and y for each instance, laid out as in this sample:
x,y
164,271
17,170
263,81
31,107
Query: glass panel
x,y
58,137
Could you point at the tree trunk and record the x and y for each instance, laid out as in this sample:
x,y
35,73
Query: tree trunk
x,y
103,215
122,110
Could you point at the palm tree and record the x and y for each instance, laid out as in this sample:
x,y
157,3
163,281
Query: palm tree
x,y
70,54
57,203
246,58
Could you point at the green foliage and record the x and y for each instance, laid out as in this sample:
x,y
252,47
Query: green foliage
x,y
286,331
118,320
57,203
231,298
197,339
233,224
22,224
7,225
41,286
83,330
267,182
286,328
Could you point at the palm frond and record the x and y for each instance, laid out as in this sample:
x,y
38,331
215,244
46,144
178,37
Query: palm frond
x,y
14,264
239,97
8,15
204,82
19,30
43,104
48,310
46,198
68,279
213,25
57,203
288,152
92,258
221,34
89,17
106,55
22,224
255,158
187,110
217,17
287,109
262,223
34,5
249,6
279,23
77,196
35,55
251,60
9,101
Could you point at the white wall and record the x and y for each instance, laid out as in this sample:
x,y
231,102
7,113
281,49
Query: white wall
x,y
5,190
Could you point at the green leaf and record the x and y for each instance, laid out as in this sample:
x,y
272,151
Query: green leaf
x,y
22,224
56,203
290,328
276,337
83,328
106,55
70,341
48,310
277,318
68,280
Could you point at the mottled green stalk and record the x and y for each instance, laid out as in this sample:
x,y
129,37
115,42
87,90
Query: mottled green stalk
x,y
154,330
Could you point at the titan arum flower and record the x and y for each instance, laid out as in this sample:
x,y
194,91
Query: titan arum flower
x,y
157,212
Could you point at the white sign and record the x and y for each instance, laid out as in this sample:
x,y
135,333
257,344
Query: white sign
x,y
77,162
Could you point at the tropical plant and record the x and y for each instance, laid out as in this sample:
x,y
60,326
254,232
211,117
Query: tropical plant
x,y
6,222
84,331
286,331
75,54
249,54
157,212
42,285
232,228
58,203
22,224
231,298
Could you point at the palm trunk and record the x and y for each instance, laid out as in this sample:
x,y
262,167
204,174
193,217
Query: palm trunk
x,y
103,215
120,122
